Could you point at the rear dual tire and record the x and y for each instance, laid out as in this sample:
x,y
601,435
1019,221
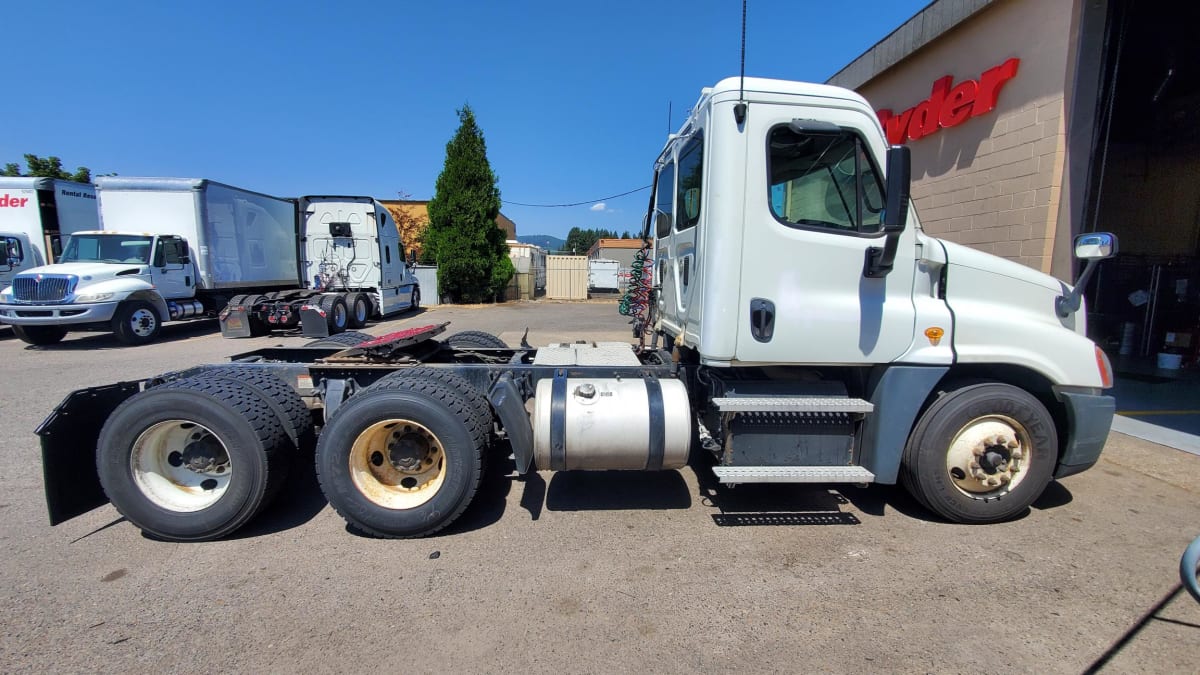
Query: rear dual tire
x,y
194,459
398,461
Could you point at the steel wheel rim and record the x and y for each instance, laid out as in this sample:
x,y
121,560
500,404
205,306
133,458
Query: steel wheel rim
x,y
989,457
180,466
360,311
397,464
339,314
143,322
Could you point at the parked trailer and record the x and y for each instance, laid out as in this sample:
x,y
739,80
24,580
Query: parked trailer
x,y
181,248
810,333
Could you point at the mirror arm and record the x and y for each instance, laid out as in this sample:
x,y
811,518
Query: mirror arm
x,y
1065,305
879,261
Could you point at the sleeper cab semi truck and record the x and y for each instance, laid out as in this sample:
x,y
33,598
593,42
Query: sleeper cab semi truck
x,y
810,333
36,214
176,249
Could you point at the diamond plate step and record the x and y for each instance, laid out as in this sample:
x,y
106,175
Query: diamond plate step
x,y
793,404
793,474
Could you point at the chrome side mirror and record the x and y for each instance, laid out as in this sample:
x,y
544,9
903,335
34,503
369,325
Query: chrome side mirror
x,y
1092,247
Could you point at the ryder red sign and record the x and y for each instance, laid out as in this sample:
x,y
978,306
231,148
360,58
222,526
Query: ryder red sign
x,y
947,105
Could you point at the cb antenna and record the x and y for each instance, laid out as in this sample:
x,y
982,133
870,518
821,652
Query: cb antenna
x,y
739,110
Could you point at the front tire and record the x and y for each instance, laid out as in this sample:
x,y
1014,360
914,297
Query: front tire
x,y
398,461
40,335
136,323
980,454
416,298
192,460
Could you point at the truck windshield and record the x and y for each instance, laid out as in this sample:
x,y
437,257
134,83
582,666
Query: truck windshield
x,y
107,248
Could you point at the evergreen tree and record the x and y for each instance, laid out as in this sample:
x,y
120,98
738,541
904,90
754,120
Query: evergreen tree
x,y
462,237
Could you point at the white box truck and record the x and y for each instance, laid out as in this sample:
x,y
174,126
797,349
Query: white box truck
x,y
35,215
182,248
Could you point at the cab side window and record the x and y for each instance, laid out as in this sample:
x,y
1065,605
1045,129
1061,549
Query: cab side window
x,y
664,200
691,180
171,253
823,181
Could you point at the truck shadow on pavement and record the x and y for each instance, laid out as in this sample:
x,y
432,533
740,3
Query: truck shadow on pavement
x,y
299,502
104,340
813,504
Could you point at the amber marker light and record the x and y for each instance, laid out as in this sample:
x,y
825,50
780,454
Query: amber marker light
x,y
1106,377
934,334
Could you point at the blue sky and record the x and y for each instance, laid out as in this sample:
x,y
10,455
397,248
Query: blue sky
x,y
293,98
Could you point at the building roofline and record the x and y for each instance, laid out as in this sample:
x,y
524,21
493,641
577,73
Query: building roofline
x,y
936,19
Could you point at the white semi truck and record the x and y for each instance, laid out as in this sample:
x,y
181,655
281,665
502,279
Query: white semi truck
x,y
179,248
36,214
802,328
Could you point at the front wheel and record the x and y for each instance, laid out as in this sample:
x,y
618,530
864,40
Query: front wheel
x,y
416,298
398,462
136,323
980,454
40,335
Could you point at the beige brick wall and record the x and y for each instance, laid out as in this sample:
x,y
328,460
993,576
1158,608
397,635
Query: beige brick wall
x,y
994,181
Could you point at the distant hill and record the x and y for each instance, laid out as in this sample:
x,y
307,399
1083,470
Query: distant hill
x,y
544,240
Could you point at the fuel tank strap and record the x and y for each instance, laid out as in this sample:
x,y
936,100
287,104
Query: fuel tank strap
x,y
658,425
558,421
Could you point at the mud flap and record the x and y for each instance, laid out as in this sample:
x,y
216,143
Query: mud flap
x,y
235,321
506,400
313,322
69,437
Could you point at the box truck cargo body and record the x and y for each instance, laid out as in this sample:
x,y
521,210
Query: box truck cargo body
x,y
237,239
36,214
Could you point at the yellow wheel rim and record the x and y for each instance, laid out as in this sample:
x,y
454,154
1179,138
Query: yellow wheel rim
x,y
397,464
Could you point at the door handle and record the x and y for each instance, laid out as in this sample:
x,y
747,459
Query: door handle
x,y
762,319
686,268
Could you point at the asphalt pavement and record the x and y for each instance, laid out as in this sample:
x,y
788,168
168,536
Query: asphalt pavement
x,y
590,572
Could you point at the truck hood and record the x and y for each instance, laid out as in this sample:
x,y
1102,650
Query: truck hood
x,y
1004,313
961,256
89,271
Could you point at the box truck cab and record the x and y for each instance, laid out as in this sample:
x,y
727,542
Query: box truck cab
x,y
129,282
36,214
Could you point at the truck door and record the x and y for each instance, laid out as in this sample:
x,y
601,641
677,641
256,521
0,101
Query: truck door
x,y
814,207
175,278
678,199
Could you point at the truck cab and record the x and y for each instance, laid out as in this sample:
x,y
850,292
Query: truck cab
x,y
352,244
127,282
834,339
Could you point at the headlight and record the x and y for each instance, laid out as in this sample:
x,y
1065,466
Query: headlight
x,y
6,297
92,297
